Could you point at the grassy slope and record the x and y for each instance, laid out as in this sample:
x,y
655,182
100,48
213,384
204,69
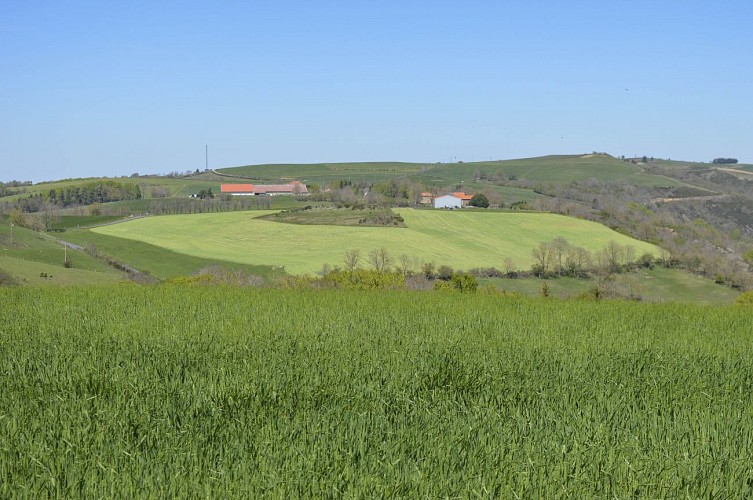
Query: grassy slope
x,y
668,284
655,285
47,254
31,273
463,240
324,172
550,168
157,261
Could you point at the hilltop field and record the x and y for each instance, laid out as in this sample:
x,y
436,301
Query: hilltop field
x,y
462,239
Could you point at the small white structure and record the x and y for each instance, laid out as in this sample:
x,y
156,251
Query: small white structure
x,y
447,201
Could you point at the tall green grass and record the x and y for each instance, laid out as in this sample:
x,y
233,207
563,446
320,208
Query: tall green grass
x,y
187,392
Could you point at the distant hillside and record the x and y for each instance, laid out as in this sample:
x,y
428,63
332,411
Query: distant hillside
x,y
700,213
554,168
326,172
551,169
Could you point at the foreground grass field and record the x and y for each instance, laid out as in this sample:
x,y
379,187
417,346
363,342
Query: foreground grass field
x,y
461,239
211,392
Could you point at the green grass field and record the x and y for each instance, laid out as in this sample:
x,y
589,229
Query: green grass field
x,y
159,262
213,392
461,239
652,285
29,272
32,247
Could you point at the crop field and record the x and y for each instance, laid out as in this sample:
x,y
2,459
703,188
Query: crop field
x,y
177,392
461,239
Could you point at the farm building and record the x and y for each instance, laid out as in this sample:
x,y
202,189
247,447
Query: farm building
x,y
426,198
295,187
464,198
239,189
448,201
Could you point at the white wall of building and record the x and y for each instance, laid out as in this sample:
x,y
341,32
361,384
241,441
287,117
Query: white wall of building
x,y
447,201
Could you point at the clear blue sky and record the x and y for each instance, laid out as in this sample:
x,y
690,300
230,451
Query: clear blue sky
x,y
106,88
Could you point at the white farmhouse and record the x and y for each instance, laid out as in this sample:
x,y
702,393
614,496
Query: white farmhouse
x,y
447,201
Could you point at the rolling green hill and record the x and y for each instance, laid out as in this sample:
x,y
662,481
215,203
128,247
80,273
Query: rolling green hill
x,y
462,240
325,172
550,169
157,261
556,168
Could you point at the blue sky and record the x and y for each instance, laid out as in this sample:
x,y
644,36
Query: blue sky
x,y
106,88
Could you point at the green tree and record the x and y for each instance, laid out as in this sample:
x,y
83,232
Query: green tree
x,y
479,200
464,282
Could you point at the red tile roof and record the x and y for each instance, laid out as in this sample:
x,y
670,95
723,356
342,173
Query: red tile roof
x,y
237,188
290,188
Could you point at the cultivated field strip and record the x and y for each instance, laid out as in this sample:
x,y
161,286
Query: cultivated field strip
x,y
213,392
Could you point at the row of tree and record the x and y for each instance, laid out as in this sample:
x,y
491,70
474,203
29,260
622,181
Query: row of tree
x,y
561,258
724,161
93,192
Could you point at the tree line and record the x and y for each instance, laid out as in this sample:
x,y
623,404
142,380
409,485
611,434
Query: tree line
x,y
93,192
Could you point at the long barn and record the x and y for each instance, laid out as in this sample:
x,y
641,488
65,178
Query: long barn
x,y
291,188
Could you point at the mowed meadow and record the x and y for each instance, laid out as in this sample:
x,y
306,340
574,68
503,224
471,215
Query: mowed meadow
x,y
168,391
461,239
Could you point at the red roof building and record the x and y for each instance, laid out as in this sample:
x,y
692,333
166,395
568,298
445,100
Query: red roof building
x,y
293,188
237,188
465,198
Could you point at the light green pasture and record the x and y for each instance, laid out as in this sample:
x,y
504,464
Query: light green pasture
x,y
461,239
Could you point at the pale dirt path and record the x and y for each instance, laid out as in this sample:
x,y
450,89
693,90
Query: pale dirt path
x,y
713,197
